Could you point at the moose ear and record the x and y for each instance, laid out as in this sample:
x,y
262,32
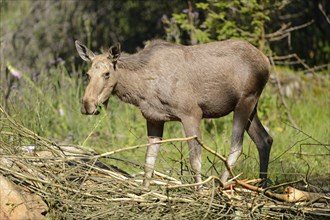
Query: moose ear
x,y
114,53
84,52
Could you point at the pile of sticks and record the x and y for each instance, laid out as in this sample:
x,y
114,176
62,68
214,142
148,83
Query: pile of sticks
x,y
73,183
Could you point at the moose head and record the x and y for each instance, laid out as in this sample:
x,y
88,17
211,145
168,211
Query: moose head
x,y
102,77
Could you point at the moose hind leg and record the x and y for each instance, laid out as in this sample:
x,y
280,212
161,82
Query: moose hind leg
x,y
242,113
263,141
191,128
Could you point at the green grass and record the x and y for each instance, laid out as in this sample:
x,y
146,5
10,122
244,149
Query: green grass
x,y
50,106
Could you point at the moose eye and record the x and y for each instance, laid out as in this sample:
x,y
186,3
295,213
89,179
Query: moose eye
x,y
106,75
86,77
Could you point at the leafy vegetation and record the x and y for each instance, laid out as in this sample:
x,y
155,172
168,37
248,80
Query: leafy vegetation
x,y
267,24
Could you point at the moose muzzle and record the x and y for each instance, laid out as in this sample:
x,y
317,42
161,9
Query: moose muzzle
x,y
89,107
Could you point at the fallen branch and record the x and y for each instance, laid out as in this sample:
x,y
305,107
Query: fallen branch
x,y
142,145
194,184
292,195
230,170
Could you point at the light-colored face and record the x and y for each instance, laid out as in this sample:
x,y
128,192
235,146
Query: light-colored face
x,y
102,78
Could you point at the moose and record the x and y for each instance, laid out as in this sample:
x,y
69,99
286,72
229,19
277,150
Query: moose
x,y
172,82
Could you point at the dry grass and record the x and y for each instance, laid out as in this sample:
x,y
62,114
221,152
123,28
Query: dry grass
x,y
75,184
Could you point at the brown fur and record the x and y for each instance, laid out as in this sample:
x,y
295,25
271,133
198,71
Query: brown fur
x,y
185,83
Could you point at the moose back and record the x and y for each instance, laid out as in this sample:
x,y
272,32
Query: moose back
x,y
171,82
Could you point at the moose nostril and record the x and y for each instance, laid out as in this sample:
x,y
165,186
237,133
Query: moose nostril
x,y
89,105
83,110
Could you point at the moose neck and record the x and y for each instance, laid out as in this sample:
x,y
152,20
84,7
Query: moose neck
x,y
130,87
132,68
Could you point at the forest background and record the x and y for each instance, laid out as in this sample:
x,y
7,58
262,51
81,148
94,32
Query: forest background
x,y
42,78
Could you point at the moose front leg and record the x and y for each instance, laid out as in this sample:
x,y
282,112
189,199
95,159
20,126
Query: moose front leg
x,y
155,134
